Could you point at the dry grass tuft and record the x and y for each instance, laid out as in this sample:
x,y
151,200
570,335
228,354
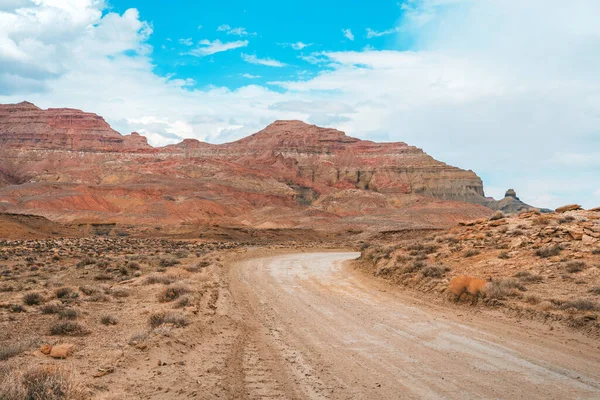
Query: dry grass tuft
x,y
161,318
575,266
33,299
502,288
41,383
69,328
546,252
108,320
172,292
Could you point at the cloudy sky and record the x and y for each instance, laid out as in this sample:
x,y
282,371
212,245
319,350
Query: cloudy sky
x,y
507,88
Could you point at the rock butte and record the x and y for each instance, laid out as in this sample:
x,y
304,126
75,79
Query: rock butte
x,y
290,174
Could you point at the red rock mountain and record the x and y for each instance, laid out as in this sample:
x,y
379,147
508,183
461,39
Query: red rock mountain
x,y
25,126
290,174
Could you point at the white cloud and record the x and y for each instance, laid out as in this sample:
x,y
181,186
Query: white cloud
x,y
300,45
186,41
234,31
252,59
206,47
371,33
348,34
250,76
509,89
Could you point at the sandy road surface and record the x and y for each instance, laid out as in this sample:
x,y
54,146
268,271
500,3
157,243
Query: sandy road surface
x,y
315,329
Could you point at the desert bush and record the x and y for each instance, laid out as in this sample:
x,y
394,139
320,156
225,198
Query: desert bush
x,y
566,219
542,220
497,215
160,318
64,292
434,271
504,255
108,319
69,328
86,261
168,262
500,289
517,232
42,382
471,252
88,290
120,292
51,308
103,277
33,299
581,305
16,308
172,292
414,267
533,299
595,290
138,338
550,251
526,276
159,278
183,301
68,313
133,265
575,266
596,251
13,349
98,298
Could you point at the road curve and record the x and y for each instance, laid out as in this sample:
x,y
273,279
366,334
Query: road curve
x,y
317,330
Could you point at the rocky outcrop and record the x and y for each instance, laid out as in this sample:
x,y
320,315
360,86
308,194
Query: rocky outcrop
x,y
25,126
511,204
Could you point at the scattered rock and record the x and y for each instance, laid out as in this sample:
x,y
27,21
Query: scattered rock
x,y
46,348
569,207
61,350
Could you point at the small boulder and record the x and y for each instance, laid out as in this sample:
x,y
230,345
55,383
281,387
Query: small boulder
x,y
46,348
61,350
569,207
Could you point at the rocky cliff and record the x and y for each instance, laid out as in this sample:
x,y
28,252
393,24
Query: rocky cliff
x,y
25,126
289,174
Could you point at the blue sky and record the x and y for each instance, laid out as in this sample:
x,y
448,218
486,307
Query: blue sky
x,y
509,89
281,31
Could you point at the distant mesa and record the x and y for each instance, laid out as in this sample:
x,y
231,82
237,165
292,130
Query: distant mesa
x,y
289,167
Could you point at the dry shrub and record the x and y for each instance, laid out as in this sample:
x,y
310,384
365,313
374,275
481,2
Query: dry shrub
x,y
33,299
581,305
575,266
542,220
69,328
159,278
43,382
108,319
502,288
68,313
414,267
526,276
88,290
497,215
566,219
595,290
64,292
120,292
596,251
10,350
138,337
504,255
160,318
471,252
434,271
172,292
533,299
51,308
550,251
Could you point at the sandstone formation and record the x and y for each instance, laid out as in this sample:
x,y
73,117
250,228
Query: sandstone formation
x,y
25,126
69,165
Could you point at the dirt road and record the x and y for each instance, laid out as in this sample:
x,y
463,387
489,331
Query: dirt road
x,y
315,329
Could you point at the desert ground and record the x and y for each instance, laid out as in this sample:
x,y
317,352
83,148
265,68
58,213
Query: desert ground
x,y
133,318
